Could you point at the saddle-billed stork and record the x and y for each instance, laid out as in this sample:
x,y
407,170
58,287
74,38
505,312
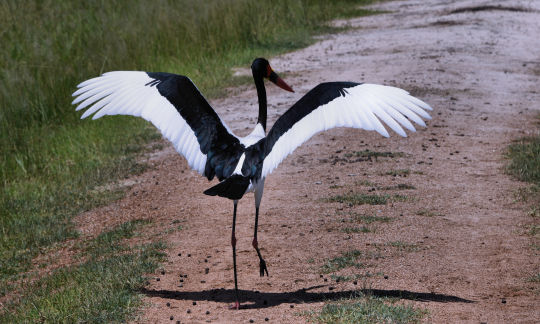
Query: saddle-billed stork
x,y
176,107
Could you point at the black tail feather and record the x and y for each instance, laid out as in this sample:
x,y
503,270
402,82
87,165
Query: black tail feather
x,y
233,187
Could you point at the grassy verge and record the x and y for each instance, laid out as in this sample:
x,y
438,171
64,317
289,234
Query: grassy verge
x,y
100,289
525,159
37,210
51,163
524,164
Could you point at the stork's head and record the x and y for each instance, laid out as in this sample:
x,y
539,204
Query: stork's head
x,y
261,69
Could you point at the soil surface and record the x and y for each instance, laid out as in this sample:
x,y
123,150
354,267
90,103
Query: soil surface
x,y
452,238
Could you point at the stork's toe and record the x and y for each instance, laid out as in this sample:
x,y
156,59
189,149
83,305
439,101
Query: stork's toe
x,y
262,268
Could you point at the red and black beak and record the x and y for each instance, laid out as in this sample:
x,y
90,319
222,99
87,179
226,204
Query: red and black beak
x,y
278,81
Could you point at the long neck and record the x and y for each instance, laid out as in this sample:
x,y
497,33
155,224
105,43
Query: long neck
x,y
261,94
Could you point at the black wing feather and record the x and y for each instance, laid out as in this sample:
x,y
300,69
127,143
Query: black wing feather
x,y
223,150
316,97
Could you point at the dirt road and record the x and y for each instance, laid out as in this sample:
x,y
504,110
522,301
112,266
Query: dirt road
x,y
451,240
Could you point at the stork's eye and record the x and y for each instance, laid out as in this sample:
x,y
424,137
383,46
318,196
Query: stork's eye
x,y
268,71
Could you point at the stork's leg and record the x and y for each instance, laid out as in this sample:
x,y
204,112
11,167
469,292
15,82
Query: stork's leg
x,y
262,263
258,198
233,243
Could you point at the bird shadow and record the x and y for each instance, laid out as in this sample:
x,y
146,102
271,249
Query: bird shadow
x,y
256,300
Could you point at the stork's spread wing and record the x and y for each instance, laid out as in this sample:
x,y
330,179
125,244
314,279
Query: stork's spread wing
x,y
175,106
341,104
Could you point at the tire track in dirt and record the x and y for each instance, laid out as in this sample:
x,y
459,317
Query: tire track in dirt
x,y
454,244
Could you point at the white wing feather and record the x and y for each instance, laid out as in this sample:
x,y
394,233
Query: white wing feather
x,y
126,93
363,106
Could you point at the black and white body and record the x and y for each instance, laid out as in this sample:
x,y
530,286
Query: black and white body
x,y
176,107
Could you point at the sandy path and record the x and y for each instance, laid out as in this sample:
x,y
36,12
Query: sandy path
x,y
456,245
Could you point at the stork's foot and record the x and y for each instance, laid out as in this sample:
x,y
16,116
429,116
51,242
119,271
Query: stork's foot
x,y
262,267
262,263
236,305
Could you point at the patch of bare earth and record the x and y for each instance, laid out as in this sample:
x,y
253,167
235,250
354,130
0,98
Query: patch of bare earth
x,y
455,243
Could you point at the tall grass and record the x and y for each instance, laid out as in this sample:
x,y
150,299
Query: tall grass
x,y
50,46
48,157
50,160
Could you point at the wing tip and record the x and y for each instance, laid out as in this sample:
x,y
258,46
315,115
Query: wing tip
x,y
97,115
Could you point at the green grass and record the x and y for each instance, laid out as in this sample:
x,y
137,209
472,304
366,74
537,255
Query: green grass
x,y
97,291
36,212
368,219
54,166
356,229
524,164
398,246
103,288
374,154
534,212
362,219
345,260
366,275
49,48
366,199
400,186
368,309
360,199
533,229
106,243
365,183
403,246
340,278
525,159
